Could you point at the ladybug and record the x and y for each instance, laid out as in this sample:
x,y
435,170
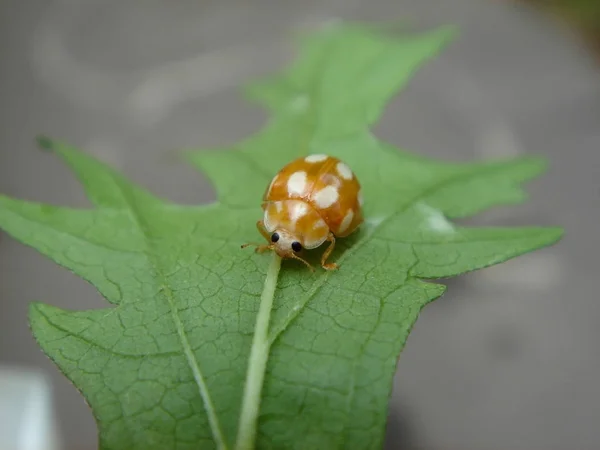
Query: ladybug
x,y
311,200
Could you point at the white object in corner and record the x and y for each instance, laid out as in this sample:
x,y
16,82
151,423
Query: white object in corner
x,y
27,419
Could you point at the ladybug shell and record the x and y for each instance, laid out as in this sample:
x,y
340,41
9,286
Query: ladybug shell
x,y
324,183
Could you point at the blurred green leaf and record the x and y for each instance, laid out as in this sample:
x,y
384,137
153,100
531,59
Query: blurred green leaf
x,y
166,365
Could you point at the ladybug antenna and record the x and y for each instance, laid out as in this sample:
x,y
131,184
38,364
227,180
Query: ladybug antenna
x,y
303,261
259,247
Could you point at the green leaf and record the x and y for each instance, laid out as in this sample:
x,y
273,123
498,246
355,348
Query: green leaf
x,y
206,345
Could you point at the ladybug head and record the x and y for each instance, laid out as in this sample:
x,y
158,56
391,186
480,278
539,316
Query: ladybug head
x,y
287,245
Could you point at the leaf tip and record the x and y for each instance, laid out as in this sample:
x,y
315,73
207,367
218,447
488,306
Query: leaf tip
x,y
448,32
187,155
544,236
434,290
554,234
45,142
439,38
34,318
538,163
34,311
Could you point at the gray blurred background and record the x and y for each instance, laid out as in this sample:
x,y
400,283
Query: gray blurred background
x,y
508,359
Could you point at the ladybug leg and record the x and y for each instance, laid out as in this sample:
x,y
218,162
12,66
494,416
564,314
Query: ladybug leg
x,y
262,230
329,266
303,262
260,248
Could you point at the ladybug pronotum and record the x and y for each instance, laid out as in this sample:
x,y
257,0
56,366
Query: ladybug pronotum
x,y
311,200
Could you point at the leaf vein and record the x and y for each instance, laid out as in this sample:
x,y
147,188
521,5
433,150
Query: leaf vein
x,y
187,349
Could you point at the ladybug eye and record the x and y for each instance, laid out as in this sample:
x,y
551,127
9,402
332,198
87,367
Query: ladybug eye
x,y
274,237
296,246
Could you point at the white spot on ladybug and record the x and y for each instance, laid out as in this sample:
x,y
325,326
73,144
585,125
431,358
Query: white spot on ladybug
x,y
347,221
315,158
296,183
344,171
361,199
326,197
298,210
279,206
319,224
328,178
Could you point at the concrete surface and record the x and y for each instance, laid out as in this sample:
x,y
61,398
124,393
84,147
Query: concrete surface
x,y
508,359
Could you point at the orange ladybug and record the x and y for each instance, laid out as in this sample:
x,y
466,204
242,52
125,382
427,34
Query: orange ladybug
x,y
311,200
